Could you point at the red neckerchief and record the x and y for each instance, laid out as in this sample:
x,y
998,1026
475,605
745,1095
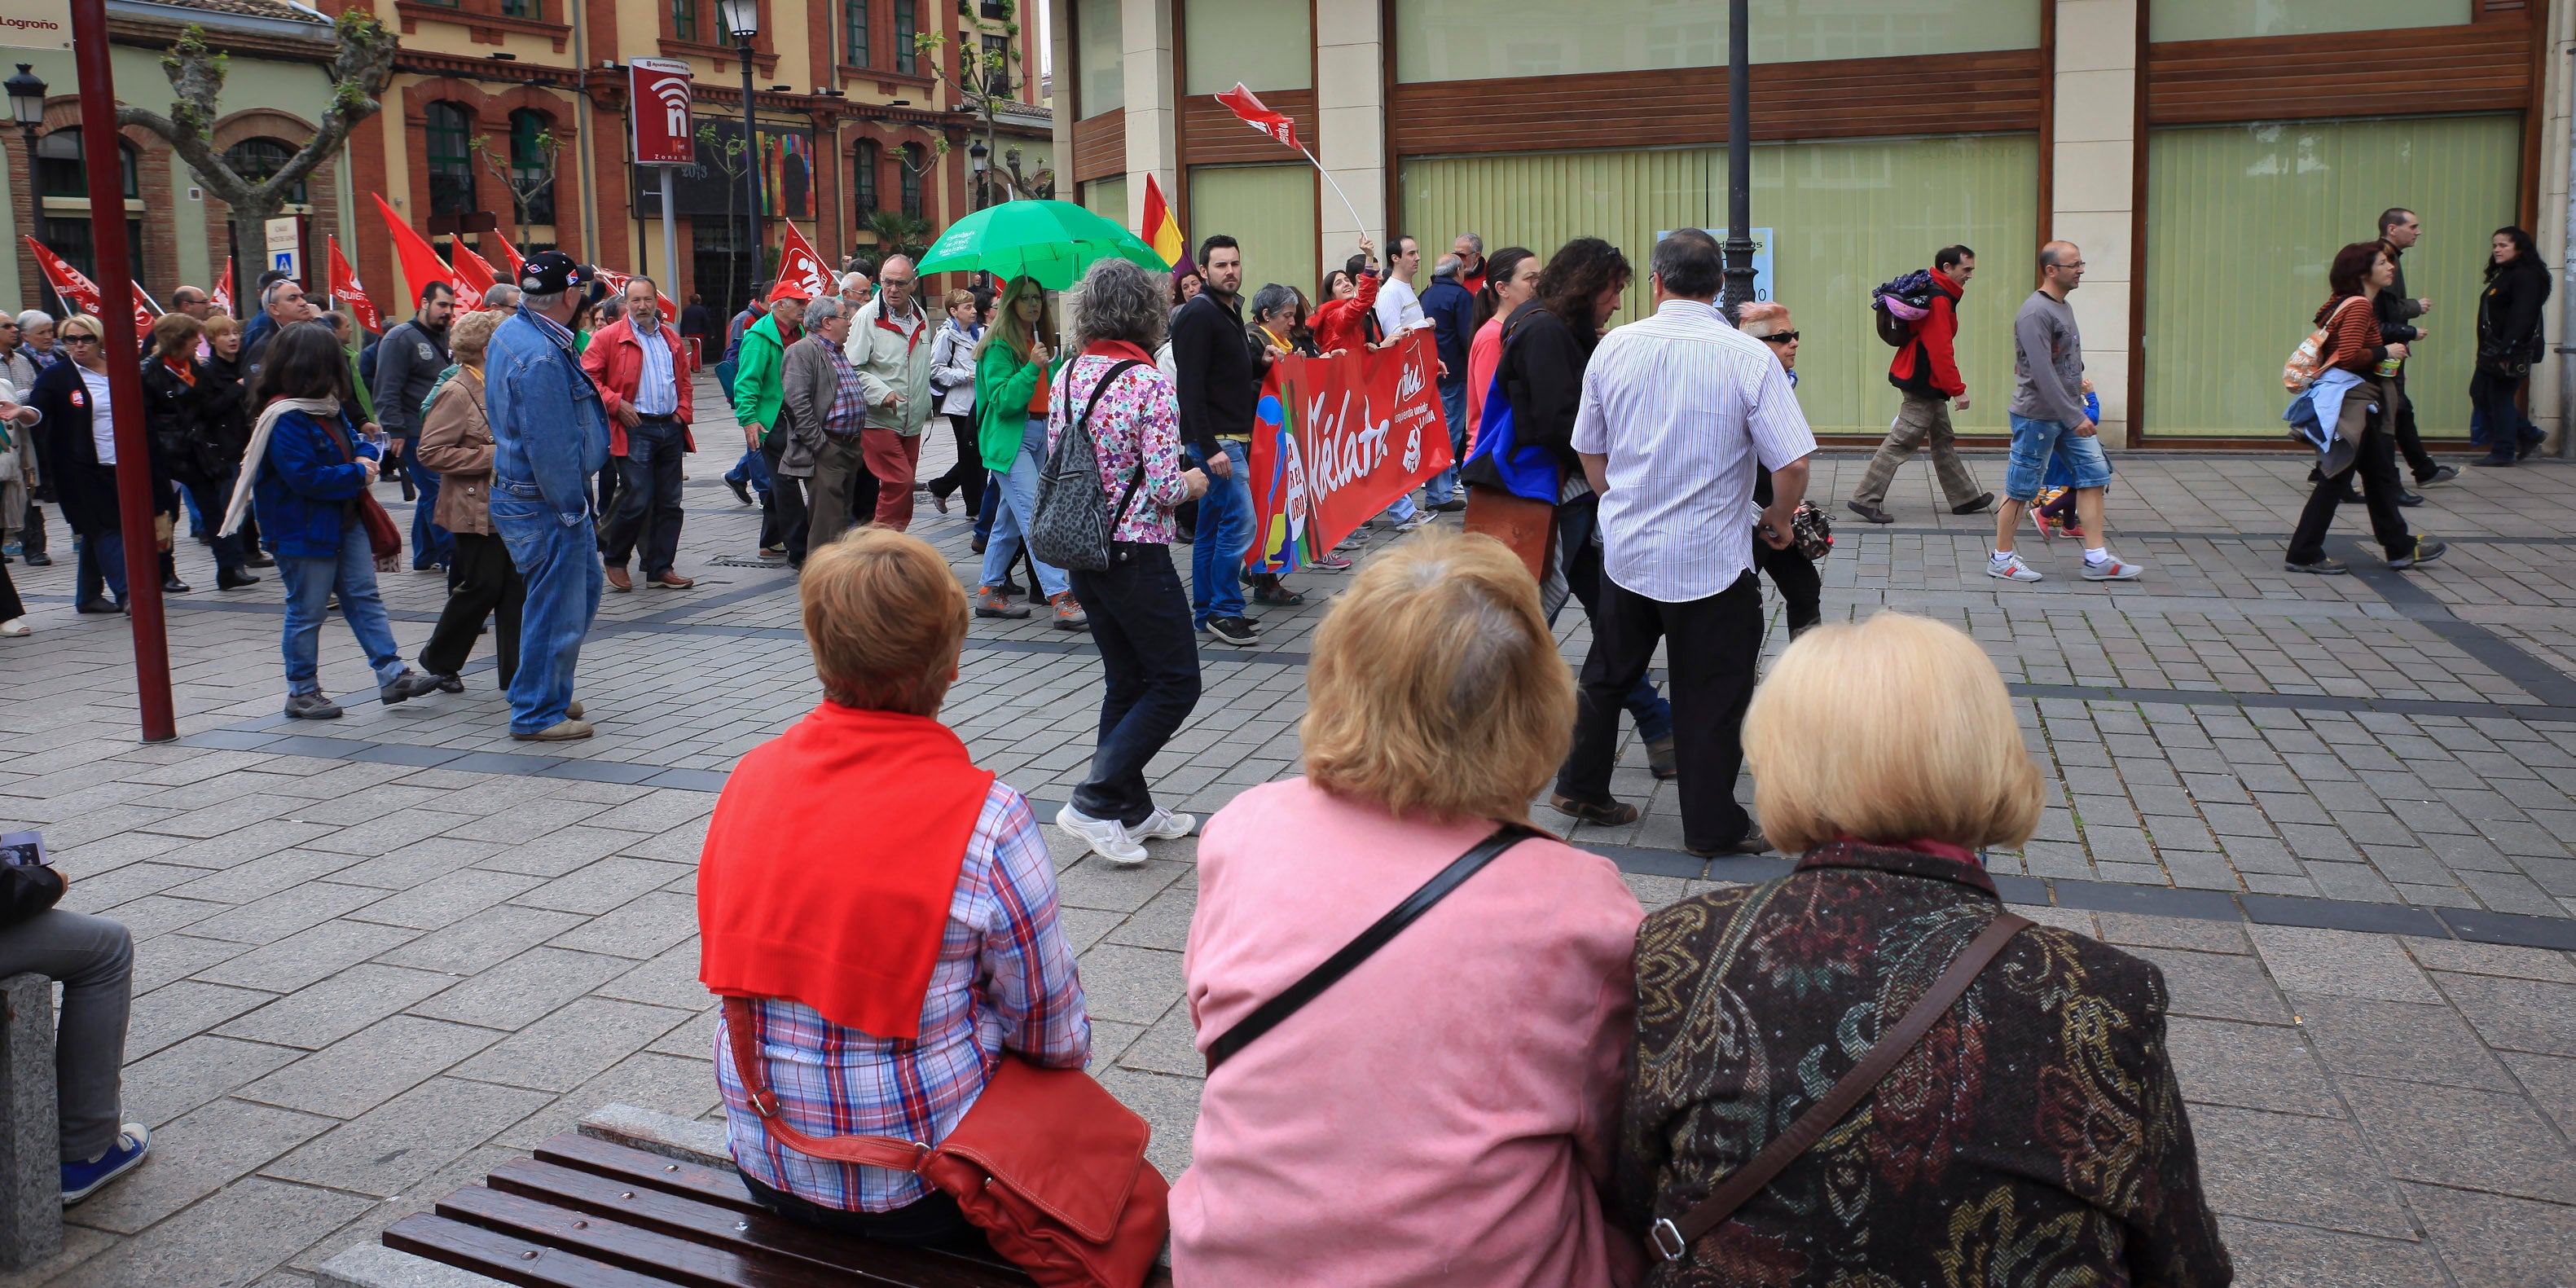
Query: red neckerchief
x,y
1115,350
184,371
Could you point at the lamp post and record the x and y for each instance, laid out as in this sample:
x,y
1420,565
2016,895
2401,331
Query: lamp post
x,y
1739,160
27,106
979,160
742,19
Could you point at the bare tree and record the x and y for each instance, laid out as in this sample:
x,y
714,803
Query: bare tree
x,y
984,81
727,156
524,184
360,69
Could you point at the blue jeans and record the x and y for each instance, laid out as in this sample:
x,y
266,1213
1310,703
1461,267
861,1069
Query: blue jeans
x,y
560,565
2035,441
102,568
648,491
753,470
1225,532
1453,409
1149,667
430,543
993,484
1019,500
311,580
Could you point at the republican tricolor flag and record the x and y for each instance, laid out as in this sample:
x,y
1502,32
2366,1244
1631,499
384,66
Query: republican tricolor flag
x,y
1160,230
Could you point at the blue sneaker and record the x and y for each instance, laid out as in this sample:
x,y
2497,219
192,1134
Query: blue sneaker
x,y
80,1180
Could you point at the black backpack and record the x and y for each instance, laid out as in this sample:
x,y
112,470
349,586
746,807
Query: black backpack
x,y
1915,291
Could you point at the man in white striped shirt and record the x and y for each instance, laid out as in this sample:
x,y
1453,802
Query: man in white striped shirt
x,y
1677,410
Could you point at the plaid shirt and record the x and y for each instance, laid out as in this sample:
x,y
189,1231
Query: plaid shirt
x,y
1005,979
849,403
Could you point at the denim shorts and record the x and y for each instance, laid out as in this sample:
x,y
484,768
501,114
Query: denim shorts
x,y
2032,444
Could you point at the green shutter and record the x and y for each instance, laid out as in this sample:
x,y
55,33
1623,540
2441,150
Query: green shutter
x,y
1270,209
1845,216
2242,221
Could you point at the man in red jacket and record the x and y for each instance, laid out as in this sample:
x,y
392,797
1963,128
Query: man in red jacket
x,y
1927,371
642,371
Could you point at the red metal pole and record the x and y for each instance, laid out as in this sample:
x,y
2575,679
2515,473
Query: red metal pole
x,y
100,156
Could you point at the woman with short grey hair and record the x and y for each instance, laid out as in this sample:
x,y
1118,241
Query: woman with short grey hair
x,y
36,337
1140,616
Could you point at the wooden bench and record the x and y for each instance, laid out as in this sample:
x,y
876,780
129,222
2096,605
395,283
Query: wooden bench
x,y
31,1172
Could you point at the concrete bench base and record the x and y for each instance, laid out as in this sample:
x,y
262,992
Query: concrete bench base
x,y
373,1265
31,1172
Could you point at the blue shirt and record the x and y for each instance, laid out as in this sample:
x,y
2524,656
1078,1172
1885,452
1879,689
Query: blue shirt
x,y
657,393
1452,310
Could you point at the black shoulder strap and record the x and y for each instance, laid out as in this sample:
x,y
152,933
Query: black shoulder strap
x,y
1270,1013
1120,515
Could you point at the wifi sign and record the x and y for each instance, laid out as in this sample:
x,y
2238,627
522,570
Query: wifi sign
x,y
658,96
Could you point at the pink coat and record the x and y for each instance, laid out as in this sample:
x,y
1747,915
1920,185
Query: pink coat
x,y
1448,1112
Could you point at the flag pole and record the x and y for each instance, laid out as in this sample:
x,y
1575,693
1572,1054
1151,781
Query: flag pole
x,y
1356,221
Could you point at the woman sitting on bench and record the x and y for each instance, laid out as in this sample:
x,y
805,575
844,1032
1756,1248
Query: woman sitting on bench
x,y
1446,1113
890,907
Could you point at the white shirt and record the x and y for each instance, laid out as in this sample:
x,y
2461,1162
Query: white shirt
x,y
657,391
1684,405
1398,309
102,426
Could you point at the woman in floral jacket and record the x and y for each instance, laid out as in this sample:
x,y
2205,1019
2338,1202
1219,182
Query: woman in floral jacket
x,y
1140,616
2034,1135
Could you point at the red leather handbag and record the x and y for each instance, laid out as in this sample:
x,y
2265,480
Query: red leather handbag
x,y
1047,1163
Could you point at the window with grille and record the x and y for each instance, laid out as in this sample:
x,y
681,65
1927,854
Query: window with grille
x,y
914,158
451,166
532,9
257,159
855,23
863,172
905,56
528,163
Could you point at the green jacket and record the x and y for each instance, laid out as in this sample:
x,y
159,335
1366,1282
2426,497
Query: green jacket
x,y
1003,387
758,375
366,402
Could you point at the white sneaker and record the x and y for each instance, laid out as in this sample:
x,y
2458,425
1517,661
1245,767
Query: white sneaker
x,y
15,626
1165,826
2011,568
2111,569
1107,837
1420,520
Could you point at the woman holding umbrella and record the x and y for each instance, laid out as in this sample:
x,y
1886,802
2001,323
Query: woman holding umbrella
x,y
1012,364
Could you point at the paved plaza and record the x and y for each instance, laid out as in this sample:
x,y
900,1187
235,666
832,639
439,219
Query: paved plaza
x,y
379,956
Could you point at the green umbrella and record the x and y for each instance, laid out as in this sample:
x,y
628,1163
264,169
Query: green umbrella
x,y
1049,241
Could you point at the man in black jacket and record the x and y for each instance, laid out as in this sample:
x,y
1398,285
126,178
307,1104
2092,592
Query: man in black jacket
x,y
1220,372
93,958
2396,310
408,361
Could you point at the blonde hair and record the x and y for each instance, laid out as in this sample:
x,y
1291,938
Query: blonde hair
x,y
467,336
1761,318
885,620
1894,729
220,325
86,321
1007,327
1435,688
174,335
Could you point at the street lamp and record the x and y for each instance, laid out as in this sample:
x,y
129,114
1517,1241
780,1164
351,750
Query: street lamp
x,y
1739,162
27,105
741,19
979,160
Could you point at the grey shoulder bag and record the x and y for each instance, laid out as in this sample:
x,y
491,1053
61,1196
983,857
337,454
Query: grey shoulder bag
x,y
1074,523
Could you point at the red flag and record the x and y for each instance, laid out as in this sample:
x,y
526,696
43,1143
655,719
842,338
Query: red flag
x,y
144,309
1261,117
510,253
223,293
474,277
801,275
420,262
68,282
346,288
616,283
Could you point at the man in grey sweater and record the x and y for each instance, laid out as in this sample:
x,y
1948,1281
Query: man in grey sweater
x,y
2048,419
408,361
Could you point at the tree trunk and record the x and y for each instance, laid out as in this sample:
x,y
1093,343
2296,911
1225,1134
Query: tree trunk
x,y
250,254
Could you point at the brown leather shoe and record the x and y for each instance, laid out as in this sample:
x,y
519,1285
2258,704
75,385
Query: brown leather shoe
x,y
618,580
670,580
1614,814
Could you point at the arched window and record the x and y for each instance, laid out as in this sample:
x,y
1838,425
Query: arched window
x,y
863,174
530,163
914,158
257,159
60,172
451,162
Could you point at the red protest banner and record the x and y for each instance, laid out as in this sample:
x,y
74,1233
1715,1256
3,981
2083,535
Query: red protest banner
x,y
1336,440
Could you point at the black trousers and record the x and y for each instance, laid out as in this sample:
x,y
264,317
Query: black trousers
x,y
930,1222
2493,396
784,526
31,539
1712,646
1149,661
967,475
2410,443
485,582
10,608
2377,466
1802,588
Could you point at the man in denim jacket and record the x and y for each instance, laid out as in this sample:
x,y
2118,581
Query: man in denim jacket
x,y
549,435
